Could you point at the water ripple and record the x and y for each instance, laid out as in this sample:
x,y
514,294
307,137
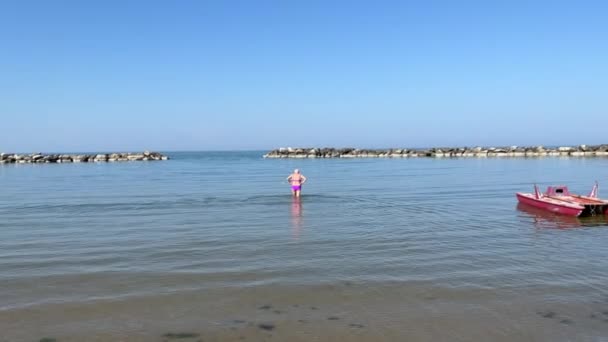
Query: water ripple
x,y
451,222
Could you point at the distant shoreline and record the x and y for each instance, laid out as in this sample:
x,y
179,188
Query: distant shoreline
x,y
443,152
40,158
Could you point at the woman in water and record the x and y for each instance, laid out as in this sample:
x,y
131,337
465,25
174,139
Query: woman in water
x,y
296,179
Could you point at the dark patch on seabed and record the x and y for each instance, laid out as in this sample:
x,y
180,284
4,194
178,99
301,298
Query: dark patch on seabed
x,y
563,320
266,326
547,314
48,339
180,335
600,315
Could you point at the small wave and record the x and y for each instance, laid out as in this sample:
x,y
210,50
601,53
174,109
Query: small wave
x,y
288,199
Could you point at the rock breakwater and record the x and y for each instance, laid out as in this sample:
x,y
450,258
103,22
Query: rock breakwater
x,y
11,158
512,151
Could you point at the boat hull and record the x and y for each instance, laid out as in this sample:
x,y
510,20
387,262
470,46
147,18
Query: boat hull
x,y
550,205
593,206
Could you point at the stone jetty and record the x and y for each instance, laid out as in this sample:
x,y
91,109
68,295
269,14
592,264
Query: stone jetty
x,y
454,152
11,158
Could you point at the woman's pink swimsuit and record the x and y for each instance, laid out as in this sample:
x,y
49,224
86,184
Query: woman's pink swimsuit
x,y
296,187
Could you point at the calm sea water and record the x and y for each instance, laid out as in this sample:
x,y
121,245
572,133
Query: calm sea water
x,y
83,232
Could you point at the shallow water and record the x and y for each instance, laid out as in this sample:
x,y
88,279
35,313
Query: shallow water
x,y
83,242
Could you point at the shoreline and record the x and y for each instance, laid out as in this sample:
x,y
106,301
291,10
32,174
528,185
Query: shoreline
x,y
437,152
331,312
40,158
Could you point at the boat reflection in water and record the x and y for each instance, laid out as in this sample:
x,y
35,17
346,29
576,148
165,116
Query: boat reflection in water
x,y
546,219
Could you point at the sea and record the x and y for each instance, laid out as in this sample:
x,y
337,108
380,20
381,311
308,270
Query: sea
x,y
212,246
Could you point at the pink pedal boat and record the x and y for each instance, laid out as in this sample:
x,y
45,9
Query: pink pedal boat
x,y
559,200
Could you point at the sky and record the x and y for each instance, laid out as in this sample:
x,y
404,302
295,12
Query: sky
x,y
121,75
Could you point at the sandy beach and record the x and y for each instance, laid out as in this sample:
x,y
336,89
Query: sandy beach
x,y
345,311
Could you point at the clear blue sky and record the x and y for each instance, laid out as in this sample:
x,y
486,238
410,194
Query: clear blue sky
x,y
208,75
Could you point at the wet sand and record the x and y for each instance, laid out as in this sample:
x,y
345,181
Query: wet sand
x,y
339,312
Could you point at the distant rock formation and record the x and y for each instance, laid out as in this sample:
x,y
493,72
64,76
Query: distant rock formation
x,y
512,151
11,158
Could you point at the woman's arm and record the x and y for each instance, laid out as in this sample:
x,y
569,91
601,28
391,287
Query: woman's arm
x,y
303,180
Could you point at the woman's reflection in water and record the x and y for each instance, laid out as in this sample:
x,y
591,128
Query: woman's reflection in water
x,y
296,217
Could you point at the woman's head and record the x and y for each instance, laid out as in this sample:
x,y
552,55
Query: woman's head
x,y
296,171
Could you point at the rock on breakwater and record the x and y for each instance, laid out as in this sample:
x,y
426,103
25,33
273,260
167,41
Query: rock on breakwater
x,y
512,151
12,158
